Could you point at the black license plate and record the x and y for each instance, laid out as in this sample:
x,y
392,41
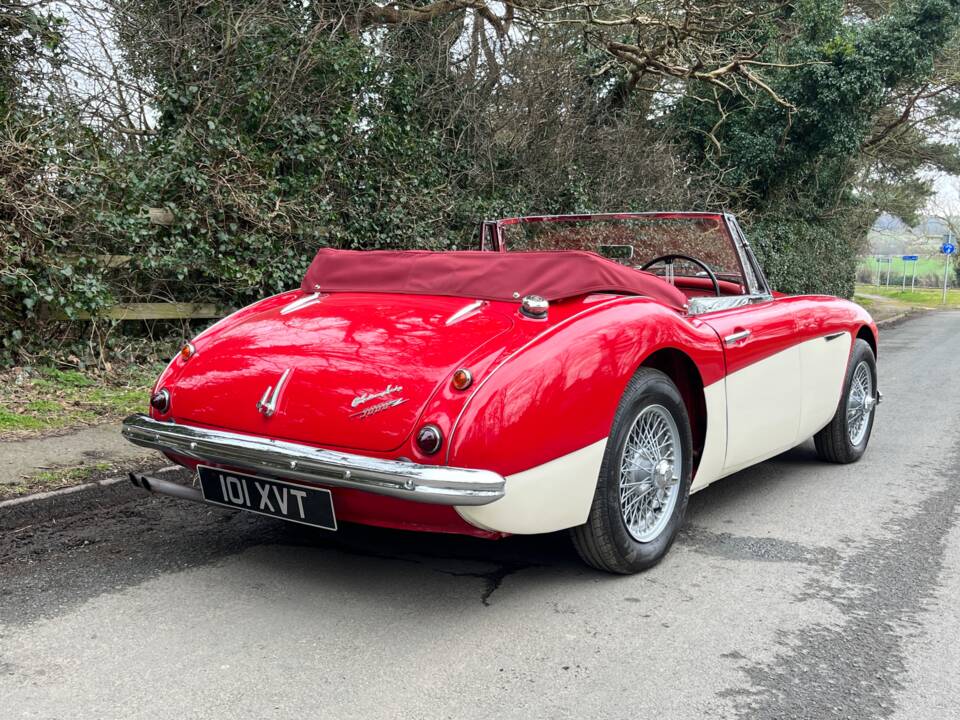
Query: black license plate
x,y
296,503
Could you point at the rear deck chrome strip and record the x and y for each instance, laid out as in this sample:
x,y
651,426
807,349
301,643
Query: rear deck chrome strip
x,y
463,312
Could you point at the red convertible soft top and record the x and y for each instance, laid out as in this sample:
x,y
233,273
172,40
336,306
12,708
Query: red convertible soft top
x,y
506,276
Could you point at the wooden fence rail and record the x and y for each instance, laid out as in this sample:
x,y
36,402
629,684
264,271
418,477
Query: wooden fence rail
x,y
145,311
142,310
155,311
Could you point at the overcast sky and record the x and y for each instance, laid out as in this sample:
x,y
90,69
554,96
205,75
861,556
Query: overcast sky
x,y
947,194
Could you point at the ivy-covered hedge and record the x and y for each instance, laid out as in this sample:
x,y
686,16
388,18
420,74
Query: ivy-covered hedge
x,y
276,129
255,179
805,255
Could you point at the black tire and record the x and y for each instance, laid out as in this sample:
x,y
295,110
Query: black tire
x,y
604,542
834,443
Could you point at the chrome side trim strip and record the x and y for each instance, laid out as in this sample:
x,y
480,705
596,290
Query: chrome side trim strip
x,y
439,485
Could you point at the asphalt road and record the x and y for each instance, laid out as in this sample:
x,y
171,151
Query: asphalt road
x,y
797,590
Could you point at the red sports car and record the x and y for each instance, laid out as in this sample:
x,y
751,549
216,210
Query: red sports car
x,y
581,372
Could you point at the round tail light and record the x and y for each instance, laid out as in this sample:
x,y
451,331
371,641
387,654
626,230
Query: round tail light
x,y
429,439
161,401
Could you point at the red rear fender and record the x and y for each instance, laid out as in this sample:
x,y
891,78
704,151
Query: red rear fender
x,y
559,393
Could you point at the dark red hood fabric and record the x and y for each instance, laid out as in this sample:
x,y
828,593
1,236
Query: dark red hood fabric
x,y
482,275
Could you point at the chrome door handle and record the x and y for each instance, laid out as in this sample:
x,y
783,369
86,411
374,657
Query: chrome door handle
x,y
736,337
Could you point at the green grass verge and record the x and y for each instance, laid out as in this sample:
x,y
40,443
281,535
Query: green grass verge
x,y
925,267
921,297
49,398
10,420
54,479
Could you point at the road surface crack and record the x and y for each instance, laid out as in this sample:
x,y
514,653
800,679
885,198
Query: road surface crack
x,y
493,579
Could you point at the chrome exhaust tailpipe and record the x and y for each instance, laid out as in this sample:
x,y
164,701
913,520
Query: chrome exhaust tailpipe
x,y
165,487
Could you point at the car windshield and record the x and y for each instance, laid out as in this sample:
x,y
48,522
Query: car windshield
x,y
635,241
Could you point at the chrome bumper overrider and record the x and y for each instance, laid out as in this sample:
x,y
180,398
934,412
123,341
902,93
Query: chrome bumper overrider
x,y
277,458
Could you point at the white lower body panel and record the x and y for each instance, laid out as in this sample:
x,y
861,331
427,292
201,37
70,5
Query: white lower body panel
x,y
823,368
715,441
546,498
777,403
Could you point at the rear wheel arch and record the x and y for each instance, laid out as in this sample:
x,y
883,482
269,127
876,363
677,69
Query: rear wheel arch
x,y
683,372
866,334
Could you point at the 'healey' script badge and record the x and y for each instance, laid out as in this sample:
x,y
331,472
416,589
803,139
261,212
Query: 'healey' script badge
x,y
384,404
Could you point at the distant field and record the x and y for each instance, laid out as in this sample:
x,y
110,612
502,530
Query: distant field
x,y
927,267
871,295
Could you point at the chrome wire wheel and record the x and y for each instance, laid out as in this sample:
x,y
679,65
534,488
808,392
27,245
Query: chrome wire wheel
x,y
860,403
651,464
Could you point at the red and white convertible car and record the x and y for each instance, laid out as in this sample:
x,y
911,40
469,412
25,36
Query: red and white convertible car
x,y
585,372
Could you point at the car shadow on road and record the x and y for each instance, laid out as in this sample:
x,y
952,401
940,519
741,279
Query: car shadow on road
x,y
123,546
735,492
494,560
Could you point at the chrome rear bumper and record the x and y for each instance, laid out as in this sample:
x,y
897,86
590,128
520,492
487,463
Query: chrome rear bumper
x,y
436,484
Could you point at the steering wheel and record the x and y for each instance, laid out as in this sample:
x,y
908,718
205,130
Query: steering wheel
x,y
668,259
